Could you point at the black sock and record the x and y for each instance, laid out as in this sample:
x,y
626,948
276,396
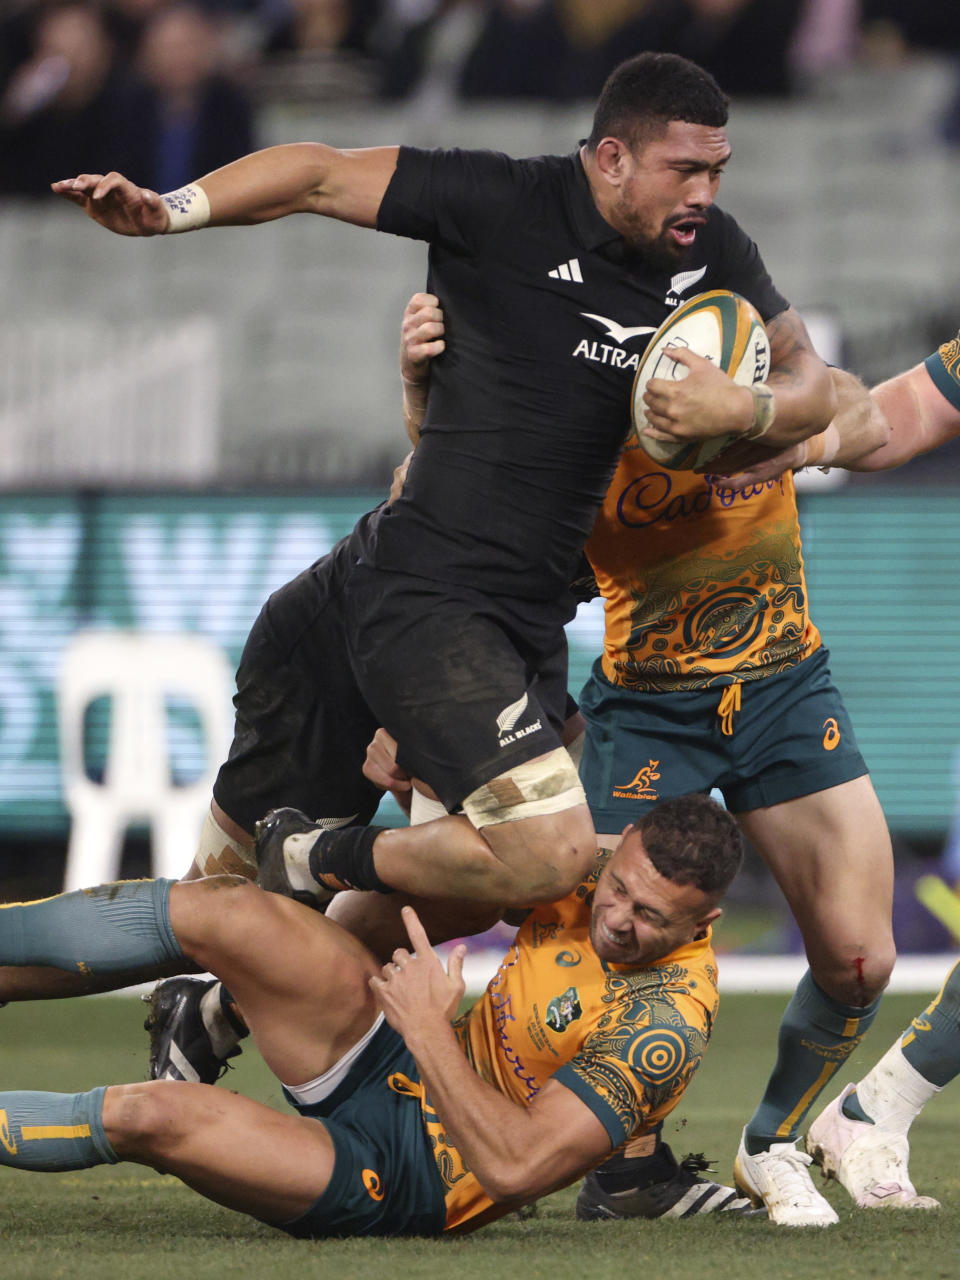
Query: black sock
x,y
346,854
629,1173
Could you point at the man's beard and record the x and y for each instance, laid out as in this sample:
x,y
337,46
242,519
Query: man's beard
x,y
660,252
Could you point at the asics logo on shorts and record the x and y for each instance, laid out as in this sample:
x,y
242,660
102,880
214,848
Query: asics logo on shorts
x,y
831,736
371,1180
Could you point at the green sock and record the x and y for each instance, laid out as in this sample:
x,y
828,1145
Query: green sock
x,y
931,1044
817,1035
111,929
53,1132
853,1110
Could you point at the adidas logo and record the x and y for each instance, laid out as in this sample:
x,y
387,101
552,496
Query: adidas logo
x,y
567,271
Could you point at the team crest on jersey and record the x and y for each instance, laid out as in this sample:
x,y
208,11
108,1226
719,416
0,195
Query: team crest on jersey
x,y
641,786
681,283
562,1010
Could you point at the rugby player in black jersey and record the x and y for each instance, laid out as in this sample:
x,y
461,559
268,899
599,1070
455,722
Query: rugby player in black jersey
x,y
521,434
553,271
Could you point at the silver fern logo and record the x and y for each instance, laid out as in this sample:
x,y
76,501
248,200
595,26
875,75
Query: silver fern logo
x,y
509,716
681,283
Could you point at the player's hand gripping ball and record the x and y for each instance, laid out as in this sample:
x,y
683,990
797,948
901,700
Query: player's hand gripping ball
x,y
728,331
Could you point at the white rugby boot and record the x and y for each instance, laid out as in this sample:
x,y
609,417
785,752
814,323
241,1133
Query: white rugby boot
x,y
869,1160
780,1179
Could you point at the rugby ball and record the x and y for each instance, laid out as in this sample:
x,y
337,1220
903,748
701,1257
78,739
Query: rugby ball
x,y
729,332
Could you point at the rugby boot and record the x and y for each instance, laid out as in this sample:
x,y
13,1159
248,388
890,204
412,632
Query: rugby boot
x,y
779,1178
181,1047
283,841
682,1194
870,1161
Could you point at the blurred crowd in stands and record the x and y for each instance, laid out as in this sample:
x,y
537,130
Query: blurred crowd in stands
x,y
166,90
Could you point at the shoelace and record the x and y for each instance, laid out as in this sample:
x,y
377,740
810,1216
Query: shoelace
x,y
792,1180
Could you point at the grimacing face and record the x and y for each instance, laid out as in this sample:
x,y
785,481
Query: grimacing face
x,y
665,189
638,916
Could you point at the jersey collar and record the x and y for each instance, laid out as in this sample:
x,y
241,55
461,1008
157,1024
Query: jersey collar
x,y
593,230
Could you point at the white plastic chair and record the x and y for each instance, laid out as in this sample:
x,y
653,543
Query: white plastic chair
x,y
138,672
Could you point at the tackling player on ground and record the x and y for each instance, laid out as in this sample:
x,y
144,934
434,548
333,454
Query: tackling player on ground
x,y
588,1034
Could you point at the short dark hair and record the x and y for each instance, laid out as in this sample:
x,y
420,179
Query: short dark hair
x,y
645,93
693,840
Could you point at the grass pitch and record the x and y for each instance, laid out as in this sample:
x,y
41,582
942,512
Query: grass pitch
x,y
127,1223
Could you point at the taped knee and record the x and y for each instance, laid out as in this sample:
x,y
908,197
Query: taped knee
x,y
533,789
219,854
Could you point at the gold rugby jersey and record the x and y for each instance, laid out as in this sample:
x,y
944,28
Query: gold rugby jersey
x,y
625,1040
944,368
702,586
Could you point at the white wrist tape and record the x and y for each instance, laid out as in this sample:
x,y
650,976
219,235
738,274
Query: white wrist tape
x,y
188,209
764,411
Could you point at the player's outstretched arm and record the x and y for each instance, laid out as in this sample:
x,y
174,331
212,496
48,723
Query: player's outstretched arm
x,y
859,428
301,177
899,419
517,1153
920,418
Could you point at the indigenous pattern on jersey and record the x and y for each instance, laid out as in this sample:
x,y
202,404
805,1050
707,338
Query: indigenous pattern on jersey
x,y
625,1040
702,585
547,313
944,368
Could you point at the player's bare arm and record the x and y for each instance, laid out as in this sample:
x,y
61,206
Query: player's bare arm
x,y
859,428
872,431
301,177
920,418
803,389
707,402
421,340
518,1153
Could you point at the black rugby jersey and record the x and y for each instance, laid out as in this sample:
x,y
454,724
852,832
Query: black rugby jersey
x,y
547,313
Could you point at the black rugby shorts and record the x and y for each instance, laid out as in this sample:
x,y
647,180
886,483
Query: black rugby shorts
x,y
302,727
469,685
